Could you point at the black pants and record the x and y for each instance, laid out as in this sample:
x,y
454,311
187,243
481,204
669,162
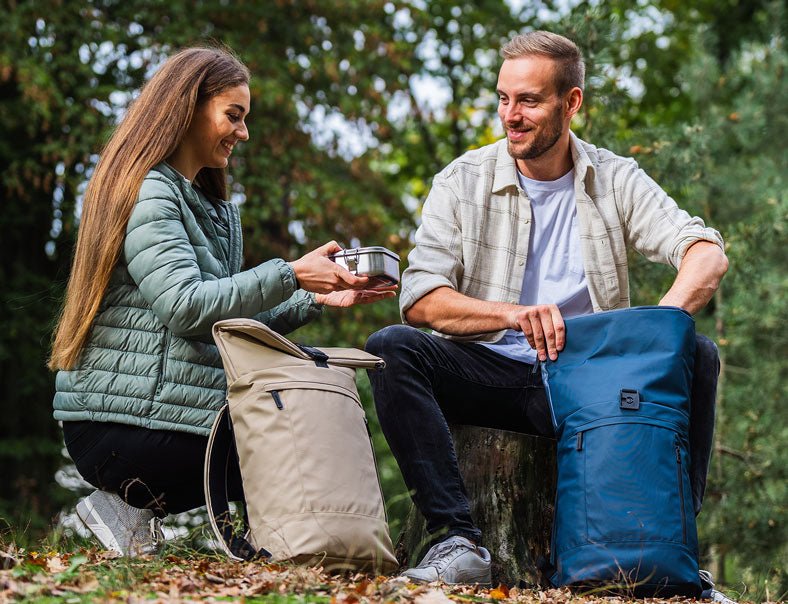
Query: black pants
x,y
430,382
161,470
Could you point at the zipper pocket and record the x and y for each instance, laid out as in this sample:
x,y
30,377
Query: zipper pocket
x,y
304,385
165,350
681,489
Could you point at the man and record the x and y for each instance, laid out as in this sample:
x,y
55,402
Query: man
x,y
515,236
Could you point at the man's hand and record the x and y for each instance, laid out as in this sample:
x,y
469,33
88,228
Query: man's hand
x,y
448,311
702,268
543,327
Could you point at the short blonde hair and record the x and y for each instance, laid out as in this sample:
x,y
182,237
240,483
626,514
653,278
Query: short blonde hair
x,y
547,44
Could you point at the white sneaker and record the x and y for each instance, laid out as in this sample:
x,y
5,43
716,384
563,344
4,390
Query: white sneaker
x,y
453,561
711,594
118,526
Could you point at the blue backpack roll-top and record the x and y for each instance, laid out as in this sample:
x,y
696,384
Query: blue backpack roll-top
x,y
619,394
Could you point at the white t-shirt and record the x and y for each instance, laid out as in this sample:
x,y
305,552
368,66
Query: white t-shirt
x,y
554,272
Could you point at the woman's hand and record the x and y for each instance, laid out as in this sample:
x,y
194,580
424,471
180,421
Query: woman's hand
x,y
316,272
349,297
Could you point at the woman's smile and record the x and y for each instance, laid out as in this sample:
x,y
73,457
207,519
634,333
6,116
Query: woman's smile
x,y
217,126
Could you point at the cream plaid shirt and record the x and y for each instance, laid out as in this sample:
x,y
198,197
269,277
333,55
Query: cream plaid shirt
x,y
476,223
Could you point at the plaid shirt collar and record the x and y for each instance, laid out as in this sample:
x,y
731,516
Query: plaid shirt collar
x,y
506,166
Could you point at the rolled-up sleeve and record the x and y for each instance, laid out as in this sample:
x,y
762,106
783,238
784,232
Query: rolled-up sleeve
x,y
654,225
162,261
436,260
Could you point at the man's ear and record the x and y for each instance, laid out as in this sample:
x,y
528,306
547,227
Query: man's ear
x,y
573,102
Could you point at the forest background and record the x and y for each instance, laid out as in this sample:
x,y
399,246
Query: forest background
x,y
355,106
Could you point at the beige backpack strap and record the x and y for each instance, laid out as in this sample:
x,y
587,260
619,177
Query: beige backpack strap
x,y
218,455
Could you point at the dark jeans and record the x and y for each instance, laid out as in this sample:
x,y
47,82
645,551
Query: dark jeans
x,y
430,382
161,470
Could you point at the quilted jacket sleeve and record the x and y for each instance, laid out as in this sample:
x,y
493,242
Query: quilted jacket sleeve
x,y
163,263
288,316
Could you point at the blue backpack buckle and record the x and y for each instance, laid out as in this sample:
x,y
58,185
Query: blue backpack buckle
x,y
630,399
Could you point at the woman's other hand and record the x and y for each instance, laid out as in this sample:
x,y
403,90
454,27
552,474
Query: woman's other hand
x,y
317,273
350,297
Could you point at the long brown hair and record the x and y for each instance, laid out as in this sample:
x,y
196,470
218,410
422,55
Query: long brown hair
x,y
152,129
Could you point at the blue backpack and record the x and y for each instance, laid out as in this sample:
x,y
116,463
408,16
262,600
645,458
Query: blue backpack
x,y
619,394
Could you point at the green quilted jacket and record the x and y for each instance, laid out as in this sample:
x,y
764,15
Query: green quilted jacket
x,y
150,360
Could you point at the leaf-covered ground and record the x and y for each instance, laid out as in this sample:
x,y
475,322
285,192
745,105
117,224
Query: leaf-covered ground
x,y
89,575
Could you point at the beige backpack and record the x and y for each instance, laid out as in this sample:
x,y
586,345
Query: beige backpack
x,y
307,464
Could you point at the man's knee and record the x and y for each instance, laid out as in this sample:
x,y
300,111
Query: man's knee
x,y
706,352
390,342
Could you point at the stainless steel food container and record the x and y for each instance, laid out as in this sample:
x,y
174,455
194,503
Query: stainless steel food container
x,y
378,263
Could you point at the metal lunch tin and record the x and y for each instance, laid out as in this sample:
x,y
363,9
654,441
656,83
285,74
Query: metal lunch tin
x,y
378,263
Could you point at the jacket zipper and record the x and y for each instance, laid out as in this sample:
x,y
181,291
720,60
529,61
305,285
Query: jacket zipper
x,y
163,363
277,400
681,491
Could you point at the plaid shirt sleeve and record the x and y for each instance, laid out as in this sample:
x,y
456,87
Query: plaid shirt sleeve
x,y
436,260
653,223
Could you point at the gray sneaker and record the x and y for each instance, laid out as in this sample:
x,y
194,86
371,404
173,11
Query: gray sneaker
x,y
118,526
711,594
453,561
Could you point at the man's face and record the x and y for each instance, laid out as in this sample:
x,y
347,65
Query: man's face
x,y
531,112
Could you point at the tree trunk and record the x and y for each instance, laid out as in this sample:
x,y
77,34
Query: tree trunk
x,y
510,479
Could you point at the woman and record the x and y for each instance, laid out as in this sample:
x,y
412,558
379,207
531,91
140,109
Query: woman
x,y
157,262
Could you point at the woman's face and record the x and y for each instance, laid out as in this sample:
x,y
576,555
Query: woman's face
x,y
218,124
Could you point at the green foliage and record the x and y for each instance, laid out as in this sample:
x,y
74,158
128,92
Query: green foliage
x,y
724,167
694,91
52,116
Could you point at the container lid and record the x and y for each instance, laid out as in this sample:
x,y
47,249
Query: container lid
x,y
360,251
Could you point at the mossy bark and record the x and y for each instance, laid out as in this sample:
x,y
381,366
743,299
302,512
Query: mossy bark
x,y
510,479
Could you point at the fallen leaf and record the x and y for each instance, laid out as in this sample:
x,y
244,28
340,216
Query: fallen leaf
x,y
214,578
433,596
392,585
365,588
257,588
35,560
499,593
55,564
85,584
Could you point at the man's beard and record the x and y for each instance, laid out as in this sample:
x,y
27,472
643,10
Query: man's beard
x,y
543,141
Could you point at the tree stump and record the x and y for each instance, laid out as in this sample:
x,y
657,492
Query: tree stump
x,y
511,481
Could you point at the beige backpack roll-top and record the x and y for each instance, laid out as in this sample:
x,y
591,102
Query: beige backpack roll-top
x,y
307,463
